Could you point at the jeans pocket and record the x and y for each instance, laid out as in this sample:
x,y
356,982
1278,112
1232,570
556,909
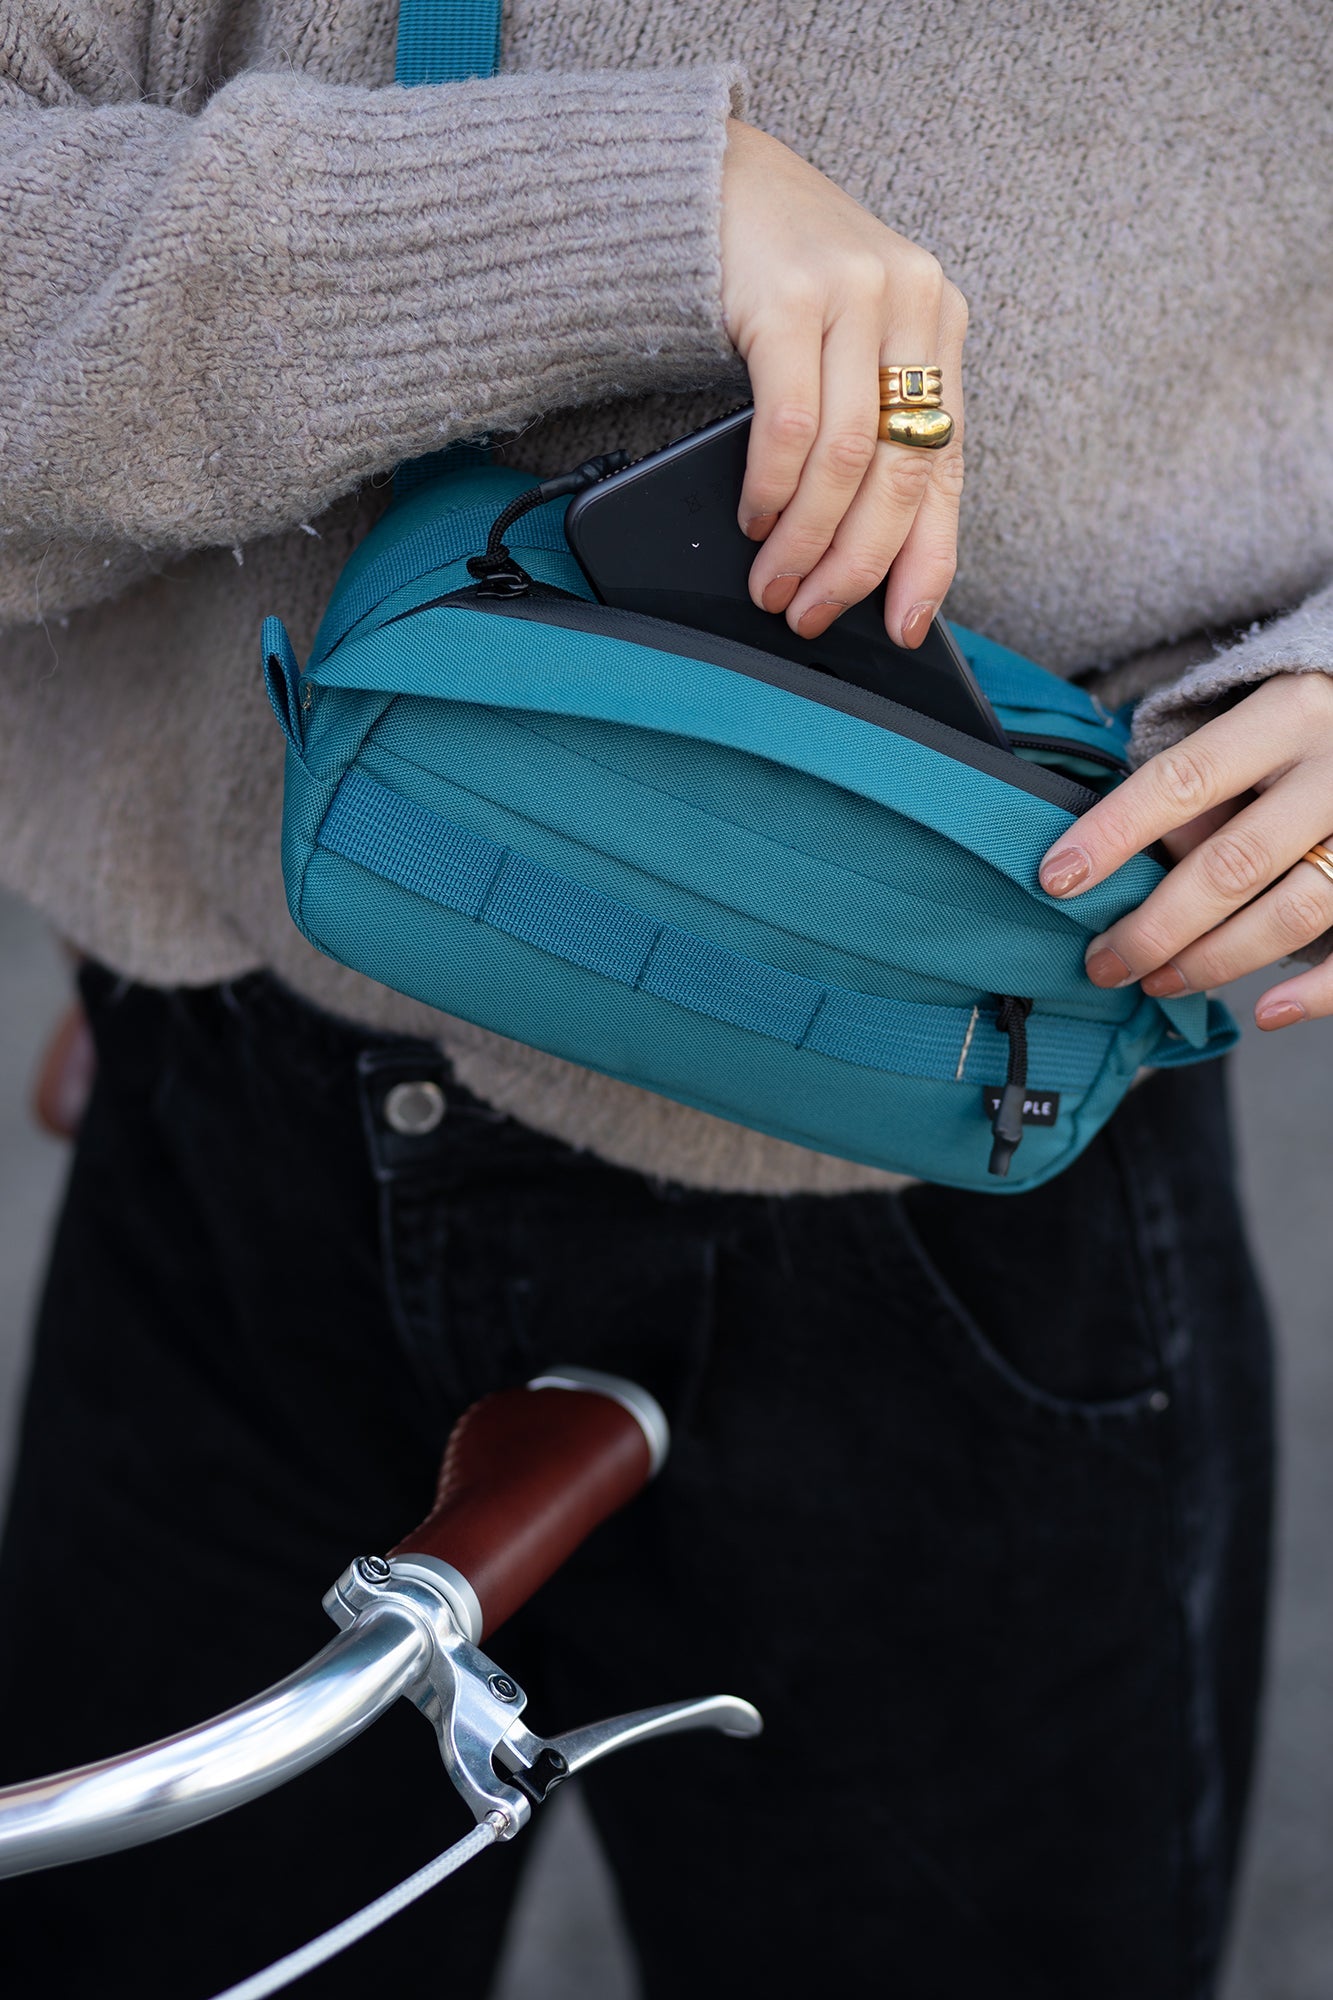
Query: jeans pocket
x,y
1061,1301
979,1354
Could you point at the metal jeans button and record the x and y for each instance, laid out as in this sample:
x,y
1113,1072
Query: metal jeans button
x,y
413,1109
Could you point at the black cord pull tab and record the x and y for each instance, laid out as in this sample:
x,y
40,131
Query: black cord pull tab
x,y
498,574
1007,1124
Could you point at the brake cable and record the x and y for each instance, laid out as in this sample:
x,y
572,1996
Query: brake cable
x,y
352,1929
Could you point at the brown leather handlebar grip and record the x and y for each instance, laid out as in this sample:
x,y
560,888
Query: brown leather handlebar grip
x,y
527,1475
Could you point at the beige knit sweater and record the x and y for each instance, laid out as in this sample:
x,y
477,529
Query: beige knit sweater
x,y
241,275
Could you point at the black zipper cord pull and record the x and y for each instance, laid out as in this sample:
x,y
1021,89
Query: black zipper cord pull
x,y
496,570
1007,1124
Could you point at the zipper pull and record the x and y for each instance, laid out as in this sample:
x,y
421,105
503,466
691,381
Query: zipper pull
x,y
1007,1124
495,570
498,575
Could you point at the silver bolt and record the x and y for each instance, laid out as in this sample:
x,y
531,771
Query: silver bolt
x,y
1159,1400
413,1109
503,1688
373,1569
501,1822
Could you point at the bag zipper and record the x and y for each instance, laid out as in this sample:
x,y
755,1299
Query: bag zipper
x,y
547,603
1007,1124
1065,746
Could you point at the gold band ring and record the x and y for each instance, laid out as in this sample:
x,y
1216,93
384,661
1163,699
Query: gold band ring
x,y
911,386
1320,857
924,429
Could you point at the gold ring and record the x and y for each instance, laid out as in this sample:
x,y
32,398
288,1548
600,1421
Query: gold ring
x,y
911,386
925,429
1320,857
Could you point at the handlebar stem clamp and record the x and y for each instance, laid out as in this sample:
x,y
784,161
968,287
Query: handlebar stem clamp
x,y
453,1692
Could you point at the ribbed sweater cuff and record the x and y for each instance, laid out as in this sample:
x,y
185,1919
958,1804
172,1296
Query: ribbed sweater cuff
x,y
408,266
1300,643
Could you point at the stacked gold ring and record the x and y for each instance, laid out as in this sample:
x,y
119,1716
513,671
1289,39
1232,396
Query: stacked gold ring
x,y
904,388
1322,858
910,394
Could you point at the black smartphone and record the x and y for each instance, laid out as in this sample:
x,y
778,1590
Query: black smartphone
x,y
662,537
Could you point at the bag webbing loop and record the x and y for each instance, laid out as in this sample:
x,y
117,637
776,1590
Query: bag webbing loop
x,y
477,877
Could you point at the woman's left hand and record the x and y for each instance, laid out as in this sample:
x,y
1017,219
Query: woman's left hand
x,y
1236,805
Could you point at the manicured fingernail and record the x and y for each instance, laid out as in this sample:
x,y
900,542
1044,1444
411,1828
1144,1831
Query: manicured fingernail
x,y
779,593
759,525
915,623
1064,870
1166,984
1105,967
814,620
1280,1014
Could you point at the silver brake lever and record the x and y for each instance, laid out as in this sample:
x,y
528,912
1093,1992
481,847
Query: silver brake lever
x,y
533,1758
497,1764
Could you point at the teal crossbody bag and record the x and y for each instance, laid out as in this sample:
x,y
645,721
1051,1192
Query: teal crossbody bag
x,y
795,906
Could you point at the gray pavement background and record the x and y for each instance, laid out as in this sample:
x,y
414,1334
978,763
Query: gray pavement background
x,y
567,1940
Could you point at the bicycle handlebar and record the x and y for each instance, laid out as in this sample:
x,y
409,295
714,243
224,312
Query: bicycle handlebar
x,y
527,1475
145,1794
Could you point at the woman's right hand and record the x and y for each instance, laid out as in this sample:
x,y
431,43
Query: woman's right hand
x,y
818,296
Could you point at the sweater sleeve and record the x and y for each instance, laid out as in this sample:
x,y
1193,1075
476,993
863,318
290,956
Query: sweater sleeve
x,y
212,326
1299,643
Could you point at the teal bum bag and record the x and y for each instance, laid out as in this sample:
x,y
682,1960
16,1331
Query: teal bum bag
x,y
608,837
694,866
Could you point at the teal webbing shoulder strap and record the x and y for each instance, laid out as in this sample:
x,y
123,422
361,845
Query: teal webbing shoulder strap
x,y
445,41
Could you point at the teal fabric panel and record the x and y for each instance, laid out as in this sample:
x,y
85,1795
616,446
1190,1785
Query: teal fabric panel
x,y
380,831
825,880
921,1125
438,500
1215,1031
438,542
521,665
823,863
1019,683
543,565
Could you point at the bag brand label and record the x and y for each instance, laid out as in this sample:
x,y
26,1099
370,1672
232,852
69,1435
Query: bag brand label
x,y
1040,1107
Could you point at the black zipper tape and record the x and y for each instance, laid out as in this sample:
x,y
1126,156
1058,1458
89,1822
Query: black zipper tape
x,y
1067,746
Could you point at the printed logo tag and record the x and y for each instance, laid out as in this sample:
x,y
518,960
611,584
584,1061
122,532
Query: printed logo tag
x,y
1040,1107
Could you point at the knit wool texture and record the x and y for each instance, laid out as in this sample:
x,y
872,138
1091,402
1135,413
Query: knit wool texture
x,y
245,275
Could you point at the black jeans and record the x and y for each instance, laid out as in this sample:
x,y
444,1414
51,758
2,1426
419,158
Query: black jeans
x,y
969,1494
